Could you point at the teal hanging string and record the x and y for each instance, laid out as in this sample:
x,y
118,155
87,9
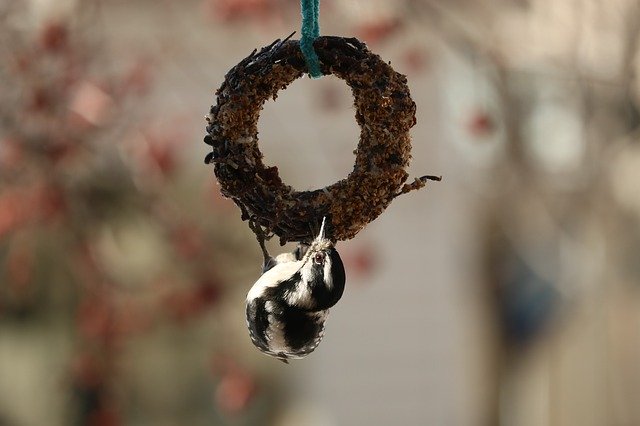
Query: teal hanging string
x,y
310,31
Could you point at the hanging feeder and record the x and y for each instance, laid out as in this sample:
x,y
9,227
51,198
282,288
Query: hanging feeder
x,y
385,113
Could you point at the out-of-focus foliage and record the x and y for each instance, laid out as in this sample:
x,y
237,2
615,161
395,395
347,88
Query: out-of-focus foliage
x,y
108,243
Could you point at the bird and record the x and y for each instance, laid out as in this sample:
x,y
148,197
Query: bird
x,y
288,305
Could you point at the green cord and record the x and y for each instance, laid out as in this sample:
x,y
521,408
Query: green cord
x,y
310,31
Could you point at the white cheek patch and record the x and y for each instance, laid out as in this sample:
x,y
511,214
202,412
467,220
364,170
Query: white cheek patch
x,y
328,278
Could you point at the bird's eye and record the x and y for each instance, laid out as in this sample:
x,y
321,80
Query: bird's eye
x,y
319,258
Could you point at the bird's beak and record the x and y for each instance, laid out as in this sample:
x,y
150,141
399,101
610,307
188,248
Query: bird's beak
x,y
321,233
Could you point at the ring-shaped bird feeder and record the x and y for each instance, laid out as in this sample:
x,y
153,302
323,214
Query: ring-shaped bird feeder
x,y
385,113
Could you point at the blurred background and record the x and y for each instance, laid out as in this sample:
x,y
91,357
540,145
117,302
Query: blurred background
x,y
507,294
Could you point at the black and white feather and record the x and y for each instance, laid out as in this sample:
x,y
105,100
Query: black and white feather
x,y
288,305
